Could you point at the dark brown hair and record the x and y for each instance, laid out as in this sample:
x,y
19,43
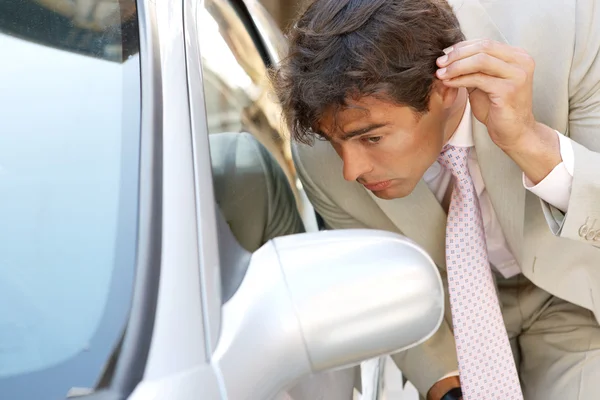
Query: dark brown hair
x,y
342,49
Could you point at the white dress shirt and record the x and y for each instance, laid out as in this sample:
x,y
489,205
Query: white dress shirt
x,y
555,189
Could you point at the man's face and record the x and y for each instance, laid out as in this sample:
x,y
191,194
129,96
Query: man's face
x,y
384,146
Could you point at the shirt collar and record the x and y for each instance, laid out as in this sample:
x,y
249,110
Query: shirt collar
x,y
463,136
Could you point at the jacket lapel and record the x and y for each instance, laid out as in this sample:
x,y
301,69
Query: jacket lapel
x,y
504,184
475,21
421,218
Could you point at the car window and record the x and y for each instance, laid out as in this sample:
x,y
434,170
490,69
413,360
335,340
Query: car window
x,y
255,182
69,150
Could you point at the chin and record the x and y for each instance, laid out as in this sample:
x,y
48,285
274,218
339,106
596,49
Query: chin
x,y
395,192
385,195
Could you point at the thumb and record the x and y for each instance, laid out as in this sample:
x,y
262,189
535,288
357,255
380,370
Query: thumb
x,y
480,105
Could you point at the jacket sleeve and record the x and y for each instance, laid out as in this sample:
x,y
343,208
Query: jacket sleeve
x,y
581,222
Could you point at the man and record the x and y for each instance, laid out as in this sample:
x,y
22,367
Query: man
x,y
400,90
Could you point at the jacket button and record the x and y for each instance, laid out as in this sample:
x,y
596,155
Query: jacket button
x,y
588,232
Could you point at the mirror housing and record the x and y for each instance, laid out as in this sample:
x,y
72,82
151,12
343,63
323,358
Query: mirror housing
x,y
325,300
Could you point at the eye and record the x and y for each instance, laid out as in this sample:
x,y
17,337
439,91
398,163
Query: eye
x,y
373,139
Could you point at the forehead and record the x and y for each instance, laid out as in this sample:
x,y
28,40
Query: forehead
x,y
363,111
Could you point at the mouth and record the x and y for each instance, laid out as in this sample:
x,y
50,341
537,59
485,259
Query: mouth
x,y
377,186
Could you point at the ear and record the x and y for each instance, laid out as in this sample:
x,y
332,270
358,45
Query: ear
x,y
445,95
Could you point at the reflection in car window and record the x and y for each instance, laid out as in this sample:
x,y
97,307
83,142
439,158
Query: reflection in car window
x,y
69,138
252,168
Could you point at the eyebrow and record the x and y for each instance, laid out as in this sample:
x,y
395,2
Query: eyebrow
x,y
361,131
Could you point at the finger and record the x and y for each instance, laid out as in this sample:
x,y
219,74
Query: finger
x,y
460,44
481,62
483,82
501,51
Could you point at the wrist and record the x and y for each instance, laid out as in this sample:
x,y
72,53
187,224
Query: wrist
x,y
442,387
537,153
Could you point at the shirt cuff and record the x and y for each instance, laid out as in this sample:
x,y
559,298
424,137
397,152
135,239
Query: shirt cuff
x,y
448,375
555,189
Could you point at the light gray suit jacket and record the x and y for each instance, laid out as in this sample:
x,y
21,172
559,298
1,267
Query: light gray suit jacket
x,y
559,253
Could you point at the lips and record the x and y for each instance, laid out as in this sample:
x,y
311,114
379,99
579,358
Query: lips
x,y
377,186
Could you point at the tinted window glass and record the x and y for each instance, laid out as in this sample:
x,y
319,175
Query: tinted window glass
x,y
255,182
69,143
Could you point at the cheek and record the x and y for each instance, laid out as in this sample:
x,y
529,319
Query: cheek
x,y
405,149
395,156
430,138
433,129
421,150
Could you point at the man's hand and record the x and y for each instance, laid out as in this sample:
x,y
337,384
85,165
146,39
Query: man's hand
x,y
500,82
499,79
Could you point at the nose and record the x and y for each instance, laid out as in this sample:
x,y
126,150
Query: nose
x,y
356,164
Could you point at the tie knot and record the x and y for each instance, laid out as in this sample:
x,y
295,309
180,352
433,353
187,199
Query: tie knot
x,y
455,159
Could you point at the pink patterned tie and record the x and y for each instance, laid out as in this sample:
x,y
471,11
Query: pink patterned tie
x,y
485,361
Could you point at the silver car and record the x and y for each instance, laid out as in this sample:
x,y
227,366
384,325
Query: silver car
x,y
155,242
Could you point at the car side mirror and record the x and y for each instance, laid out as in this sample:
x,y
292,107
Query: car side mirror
x,y
318,301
